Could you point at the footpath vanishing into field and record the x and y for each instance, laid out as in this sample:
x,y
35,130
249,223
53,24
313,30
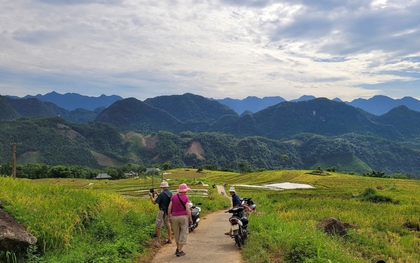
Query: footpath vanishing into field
x,y
207,243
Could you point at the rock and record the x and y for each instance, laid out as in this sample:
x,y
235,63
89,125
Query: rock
x,y
13,236
333,226
412,226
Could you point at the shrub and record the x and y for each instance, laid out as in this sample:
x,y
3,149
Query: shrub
x,y
370,195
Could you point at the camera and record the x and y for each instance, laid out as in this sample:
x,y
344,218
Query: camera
x,y
152,190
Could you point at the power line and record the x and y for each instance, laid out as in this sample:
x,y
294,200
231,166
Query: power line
x,y
14,158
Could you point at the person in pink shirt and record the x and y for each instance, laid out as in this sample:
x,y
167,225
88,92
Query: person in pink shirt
x,y
180,217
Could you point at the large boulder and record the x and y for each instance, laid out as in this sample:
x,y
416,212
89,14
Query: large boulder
x,y
333,226
13,236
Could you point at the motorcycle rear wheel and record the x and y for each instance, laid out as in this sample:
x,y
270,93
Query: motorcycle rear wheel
x,y
238,241
243,237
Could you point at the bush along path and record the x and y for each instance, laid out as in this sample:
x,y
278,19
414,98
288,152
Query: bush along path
x,y
207,243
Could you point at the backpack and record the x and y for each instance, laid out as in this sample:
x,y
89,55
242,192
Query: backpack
x,y
165,208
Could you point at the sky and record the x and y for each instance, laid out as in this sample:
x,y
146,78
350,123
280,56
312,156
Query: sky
x,y
345,49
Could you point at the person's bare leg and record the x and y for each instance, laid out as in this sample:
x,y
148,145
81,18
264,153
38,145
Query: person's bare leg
x,y
158,234
169,232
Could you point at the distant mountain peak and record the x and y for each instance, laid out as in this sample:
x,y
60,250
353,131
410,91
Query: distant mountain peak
x,y
304,98
72,101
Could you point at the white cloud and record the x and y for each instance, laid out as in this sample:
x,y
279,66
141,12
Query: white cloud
x,y
212,48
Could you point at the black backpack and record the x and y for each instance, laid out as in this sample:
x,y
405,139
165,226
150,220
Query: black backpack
x,y
165,208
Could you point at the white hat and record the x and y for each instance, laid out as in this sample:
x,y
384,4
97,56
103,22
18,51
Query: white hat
x,y
232,189
164,184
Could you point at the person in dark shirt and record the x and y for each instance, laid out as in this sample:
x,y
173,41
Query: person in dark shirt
x,y
163,199
236,201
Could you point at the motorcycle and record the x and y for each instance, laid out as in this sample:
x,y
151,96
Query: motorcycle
x,y
195,214
249,205
238,225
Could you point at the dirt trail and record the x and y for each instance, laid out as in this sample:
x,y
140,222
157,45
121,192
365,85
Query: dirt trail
x,y
222,191
207,243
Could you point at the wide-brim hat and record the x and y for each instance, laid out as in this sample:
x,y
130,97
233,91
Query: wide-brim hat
x,y
232,189
164,184
183,188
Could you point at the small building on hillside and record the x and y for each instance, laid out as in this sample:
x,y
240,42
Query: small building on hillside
x,y
130,174
103,176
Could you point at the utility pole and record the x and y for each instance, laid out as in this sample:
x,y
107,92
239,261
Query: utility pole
x,y
14,159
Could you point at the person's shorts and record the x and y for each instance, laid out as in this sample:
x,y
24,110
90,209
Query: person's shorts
x,y
161,219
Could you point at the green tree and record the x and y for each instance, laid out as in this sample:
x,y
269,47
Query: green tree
x,y
6,169
59,171
166,165
244,166
284,157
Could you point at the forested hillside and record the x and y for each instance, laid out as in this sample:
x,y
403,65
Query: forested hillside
x,y
11,109
190,107
201,132
54,141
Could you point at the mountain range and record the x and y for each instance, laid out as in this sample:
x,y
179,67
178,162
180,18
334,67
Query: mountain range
x,y
73,101
190,130
377,105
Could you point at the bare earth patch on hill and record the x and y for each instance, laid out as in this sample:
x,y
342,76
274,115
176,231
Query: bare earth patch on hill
x,y
103,160
147,141
150,141
196,149
30,157
130,135
66,131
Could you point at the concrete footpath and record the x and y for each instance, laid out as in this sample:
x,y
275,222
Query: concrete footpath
x,y
206,244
